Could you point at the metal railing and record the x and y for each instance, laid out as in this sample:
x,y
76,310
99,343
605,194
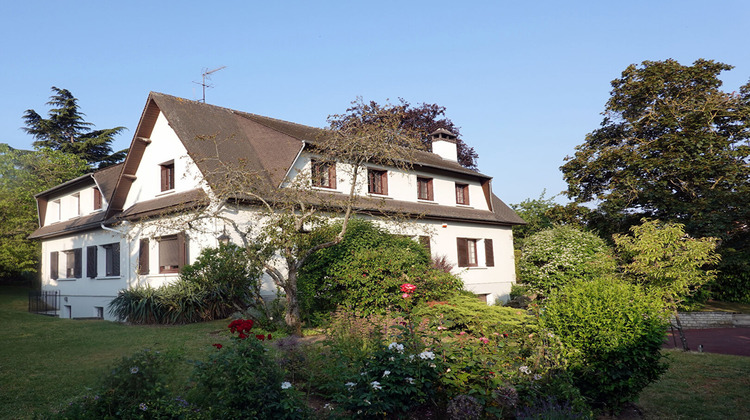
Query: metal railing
x,y
44,302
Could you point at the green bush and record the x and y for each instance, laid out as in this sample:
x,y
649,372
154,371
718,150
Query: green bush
x,y
243,381
560,255
464,312
364,272
615,330
221,281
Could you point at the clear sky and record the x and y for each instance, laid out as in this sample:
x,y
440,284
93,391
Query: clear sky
x,y
524,80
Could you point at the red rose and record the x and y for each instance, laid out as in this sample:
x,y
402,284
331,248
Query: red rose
x,y
217,345
260,337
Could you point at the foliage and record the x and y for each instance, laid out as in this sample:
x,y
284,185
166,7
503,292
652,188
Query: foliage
x,y
672,146
136,387
365,270
394,380
221,281
557,256
23,174
65,130
463,312
663,258
616,330
242,380
535,212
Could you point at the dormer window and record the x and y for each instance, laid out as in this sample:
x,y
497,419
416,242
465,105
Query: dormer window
x,y
377,181
56,210
323,174
462,194
77,204
167,176
424,188
97,199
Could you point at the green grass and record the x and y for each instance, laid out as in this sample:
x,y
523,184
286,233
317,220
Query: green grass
x,y
44,361
715,306
700,386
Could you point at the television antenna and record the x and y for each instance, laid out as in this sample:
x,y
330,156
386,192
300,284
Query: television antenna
x,y
206,76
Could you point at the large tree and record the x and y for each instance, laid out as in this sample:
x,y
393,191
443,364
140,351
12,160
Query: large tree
x,y
423,120
672,146
66,130
23,174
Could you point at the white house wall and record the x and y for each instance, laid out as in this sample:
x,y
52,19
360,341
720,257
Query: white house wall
x,y
401,185
69,205
165,146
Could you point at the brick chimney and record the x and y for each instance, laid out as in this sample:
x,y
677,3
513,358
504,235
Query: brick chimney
x,y
444,144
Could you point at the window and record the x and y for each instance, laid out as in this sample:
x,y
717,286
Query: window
x,y
97,199
91,262
73,263
424,188
56,211
377,181
143,257
77,204
467,252
489,253
54,263
323,174
172,253
167,176
99,312
112,259
462,194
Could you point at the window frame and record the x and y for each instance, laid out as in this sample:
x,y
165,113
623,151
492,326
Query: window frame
x,y
112,259
73,262
320,167
462,194
167,176
97,198
377,178
464,248
427,182
181,258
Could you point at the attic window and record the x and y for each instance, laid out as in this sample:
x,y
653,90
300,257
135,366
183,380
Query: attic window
x,y
377,181
167,176
97,199
424,188
462,194
323,174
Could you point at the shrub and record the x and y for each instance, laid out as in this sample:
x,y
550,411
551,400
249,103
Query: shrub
x,y
616,331
464,312
557,256
365,270
221,281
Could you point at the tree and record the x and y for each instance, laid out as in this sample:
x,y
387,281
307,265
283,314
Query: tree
x,y
23,174
423,120
672,146
671,264
535,212
67,131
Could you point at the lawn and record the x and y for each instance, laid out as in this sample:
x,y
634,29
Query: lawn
x,y
44,362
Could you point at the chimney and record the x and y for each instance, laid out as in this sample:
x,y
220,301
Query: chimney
x,y
444,144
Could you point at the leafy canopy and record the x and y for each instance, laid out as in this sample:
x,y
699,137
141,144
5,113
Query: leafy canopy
x,y
672,146
663,258
23,174
67,131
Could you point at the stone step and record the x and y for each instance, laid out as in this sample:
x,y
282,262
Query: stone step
x,y
741,320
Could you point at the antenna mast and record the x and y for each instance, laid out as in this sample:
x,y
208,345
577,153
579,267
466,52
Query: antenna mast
x,y
205,76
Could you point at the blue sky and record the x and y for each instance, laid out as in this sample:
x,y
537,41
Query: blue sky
x,y
525,81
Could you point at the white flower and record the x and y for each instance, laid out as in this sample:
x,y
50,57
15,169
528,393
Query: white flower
x,y
410,380
328,407
537,377
525,369
396,346
432,365
375,385
391,358
366,402
427,355
134,370
286,385
411,357
350,384
386,373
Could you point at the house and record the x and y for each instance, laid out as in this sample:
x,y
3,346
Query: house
x,y
116,228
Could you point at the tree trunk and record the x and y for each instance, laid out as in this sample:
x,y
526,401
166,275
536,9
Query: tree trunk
x,y
292,316
683,339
